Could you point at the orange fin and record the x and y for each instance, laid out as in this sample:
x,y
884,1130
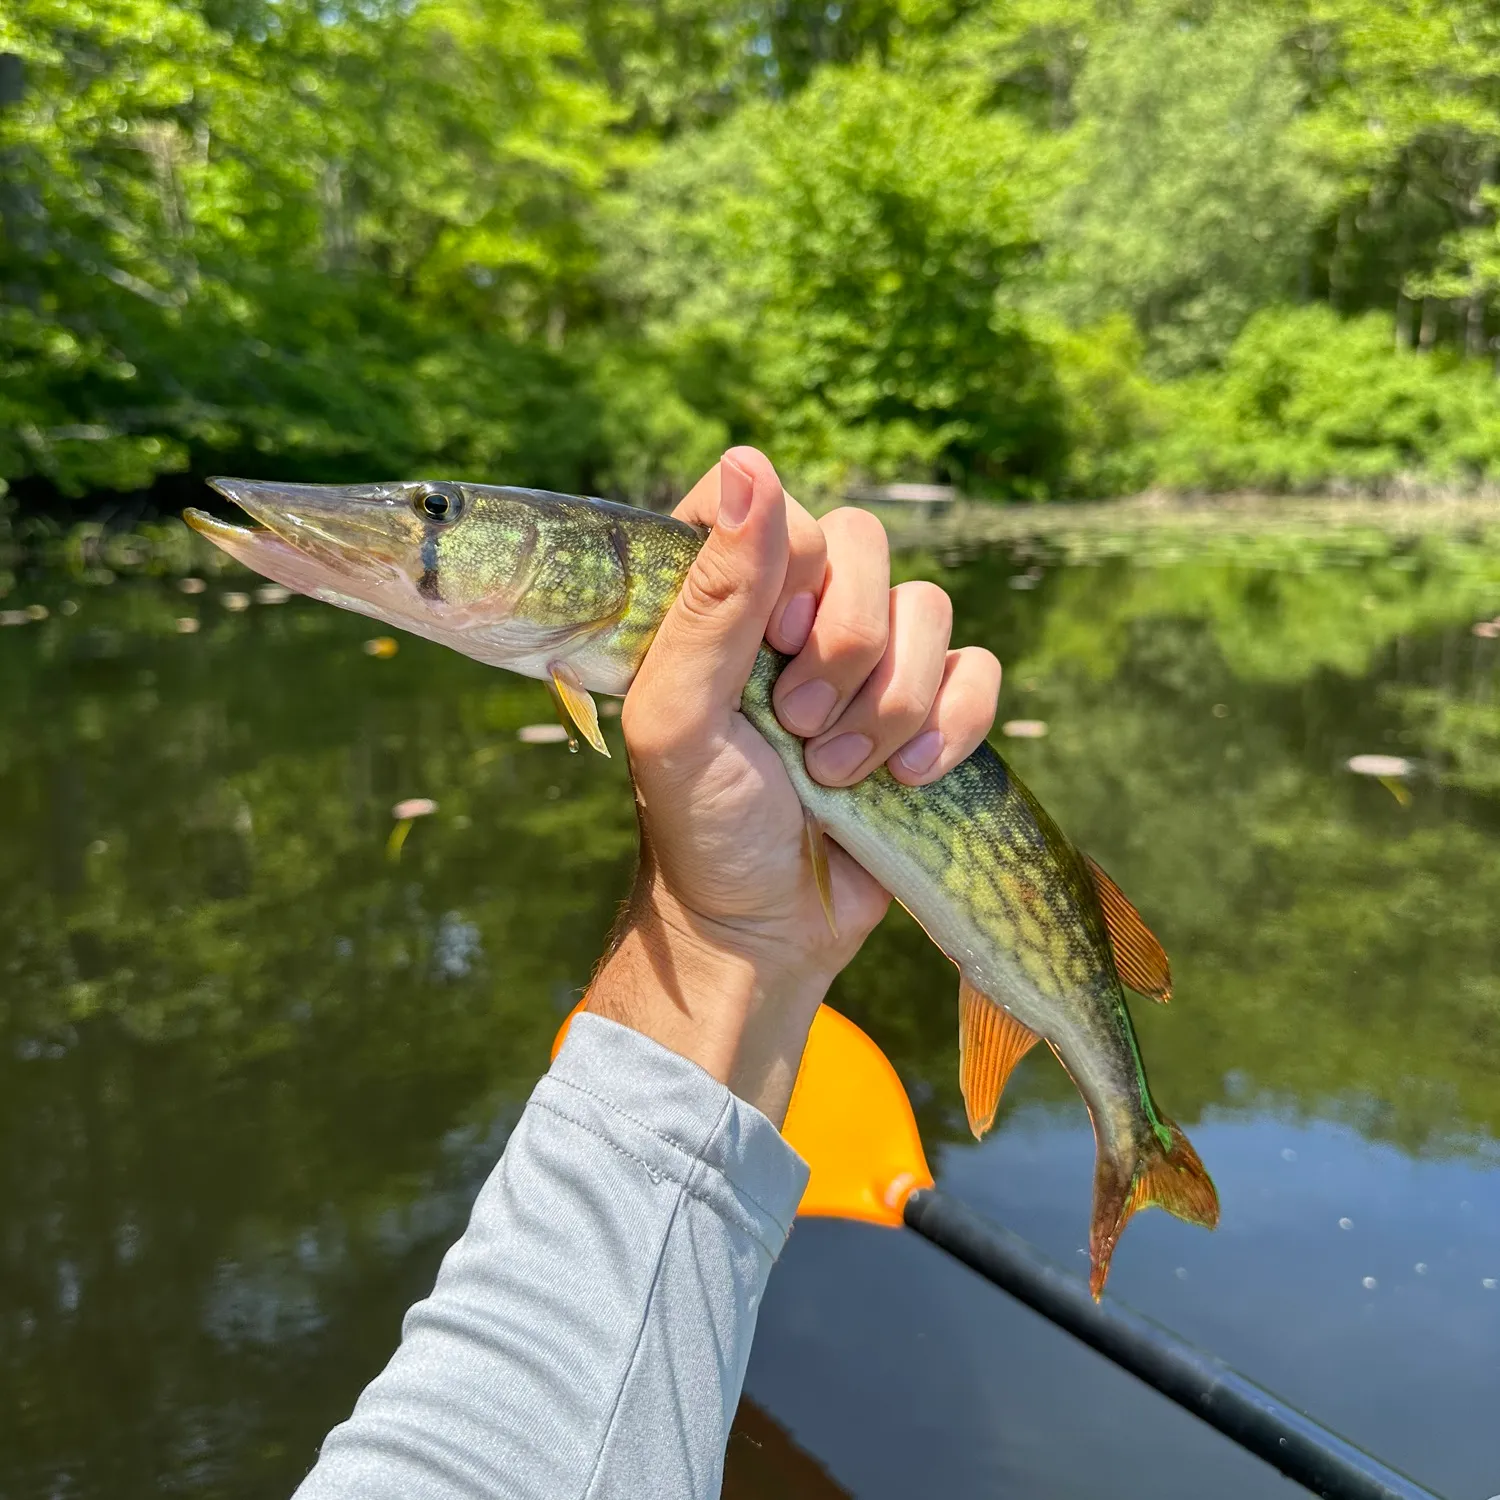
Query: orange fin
x,y
1139,959
1168,1177
817,851
990,1044
575,705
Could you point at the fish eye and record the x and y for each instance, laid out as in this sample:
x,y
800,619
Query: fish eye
x,y
438,503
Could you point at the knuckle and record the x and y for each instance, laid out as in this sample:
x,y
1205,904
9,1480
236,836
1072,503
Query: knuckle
x,y
972,693
708,585
984,666
928,598
855,640
798,514
809,547
901,704
852,524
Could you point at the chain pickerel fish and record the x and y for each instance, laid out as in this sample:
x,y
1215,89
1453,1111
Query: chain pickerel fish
x,y
571,591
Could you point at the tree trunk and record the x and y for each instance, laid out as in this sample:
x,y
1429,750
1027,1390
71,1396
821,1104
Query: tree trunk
x,y
1342,236
1428,330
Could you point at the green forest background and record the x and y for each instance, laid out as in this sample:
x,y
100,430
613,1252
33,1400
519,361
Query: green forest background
x,y
1029,247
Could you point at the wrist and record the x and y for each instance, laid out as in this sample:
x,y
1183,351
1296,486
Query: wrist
x,y
737,1007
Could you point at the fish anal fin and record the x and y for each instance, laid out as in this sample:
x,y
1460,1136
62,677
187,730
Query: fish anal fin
x,y
1139,959
1171,1178
575,705
990,1044
817,852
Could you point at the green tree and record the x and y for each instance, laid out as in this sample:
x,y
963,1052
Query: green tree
x,y
840,278
294,237
678,64
1191,203
1306,399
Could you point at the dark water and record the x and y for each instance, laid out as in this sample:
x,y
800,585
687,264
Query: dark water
x,y
252,1069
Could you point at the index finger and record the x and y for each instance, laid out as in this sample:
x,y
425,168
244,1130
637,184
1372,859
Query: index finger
x,y
807,562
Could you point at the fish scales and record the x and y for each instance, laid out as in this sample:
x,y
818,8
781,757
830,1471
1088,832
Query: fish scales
x,y
1018,919
573,590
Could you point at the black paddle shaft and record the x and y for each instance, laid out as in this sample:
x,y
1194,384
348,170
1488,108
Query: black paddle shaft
x,y
1316,1458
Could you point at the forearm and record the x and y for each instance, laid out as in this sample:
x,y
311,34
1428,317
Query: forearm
x,y
726,1001
588,1334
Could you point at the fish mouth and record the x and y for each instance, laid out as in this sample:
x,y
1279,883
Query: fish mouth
x,y
315,538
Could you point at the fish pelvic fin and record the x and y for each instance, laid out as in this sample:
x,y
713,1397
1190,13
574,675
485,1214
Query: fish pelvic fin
x,y
990,1044
575,705
817,853
1169,1177
1140,960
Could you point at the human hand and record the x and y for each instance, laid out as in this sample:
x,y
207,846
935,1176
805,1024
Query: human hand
x,y
724,954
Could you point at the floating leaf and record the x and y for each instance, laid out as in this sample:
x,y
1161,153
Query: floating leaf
x,y
414,807
542,734
1380,765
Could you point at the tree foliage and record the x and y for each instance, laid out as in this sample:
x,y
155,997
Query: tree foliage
x,y
1192,201
843,275
1305,399
266,233
1032,247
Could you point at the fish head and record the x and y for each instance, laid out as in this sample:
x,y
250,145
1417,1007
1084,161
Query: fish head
x,y
505,575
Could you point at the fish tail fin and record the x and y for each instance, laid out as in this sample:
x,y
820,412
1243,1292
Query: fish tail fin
x,y
1169,1177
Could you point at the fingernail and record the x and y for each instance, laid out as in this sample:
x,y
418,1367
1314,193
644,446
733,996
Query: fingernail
x,y
805,709
918,756
842,756
797,619
736,489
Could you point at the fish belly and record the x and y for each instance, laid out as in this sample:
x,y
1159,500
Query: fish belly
x,y
934,861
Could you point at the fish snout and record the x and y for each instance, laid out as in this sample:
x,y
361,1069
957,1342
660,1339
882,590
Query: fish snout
x,y
352,529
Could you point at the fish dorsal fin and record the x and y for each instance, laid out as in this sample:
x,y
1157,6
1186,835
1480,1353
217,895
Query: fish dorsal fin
x,y
1139,958
575,705
817,851
990,1044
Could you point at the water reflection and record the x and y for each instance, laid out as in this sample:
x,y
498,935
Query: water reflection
x,y
252,1069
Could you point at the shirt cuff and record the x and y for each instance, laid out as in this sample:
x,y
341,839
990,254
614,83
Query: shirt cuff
x,y
677,1122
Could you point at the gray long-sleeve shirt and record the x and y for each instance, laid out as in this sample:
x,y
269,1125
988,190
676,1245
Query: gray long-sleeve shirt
x,y
588,1335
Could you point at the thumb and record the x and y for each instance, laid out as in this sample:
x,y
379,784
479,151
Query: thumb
x,y
703,653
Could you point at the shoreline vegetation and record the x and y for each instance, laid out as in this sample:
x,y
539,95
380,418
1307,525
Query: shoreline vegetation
x,y
1411,512
1258,529
1031,249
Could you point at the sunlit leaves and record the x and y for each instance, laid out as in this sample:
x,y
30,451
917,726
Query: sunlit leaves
x,y
1305,399
244,230
1191,202
838,277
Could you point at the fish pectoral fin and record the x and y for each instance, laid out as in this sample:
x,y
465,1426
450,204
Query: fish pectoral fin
x,y
817,852
1139,959
990,1044
575,705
